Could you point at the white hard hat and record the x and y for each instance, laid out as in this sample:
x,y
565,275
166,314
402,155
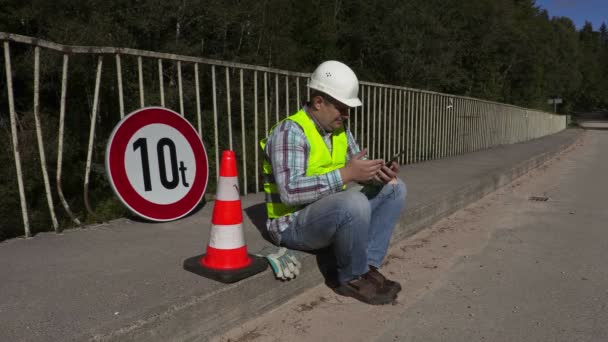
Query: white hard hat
x,y
337,80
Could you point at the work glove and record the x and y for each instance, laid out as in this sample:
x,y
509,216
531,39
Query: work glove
x,y
283,261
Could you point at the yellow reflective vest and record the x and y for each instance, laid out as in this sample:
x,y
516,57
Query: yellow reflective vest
x,y
320,161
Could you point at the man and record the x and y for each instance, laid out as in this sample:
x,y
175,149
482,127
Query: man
x,y
309,159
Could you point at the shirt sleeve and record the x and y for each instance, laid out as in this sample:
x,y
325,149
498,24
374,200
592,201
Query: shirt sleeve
x,y
288,150
353,148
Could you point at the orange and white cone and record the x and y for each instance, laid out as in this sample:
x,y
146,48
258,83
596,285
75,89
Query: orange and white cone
x,y
226,259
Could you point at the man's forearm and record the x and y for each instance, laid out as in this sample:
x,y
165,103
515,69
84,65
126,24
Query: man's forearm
x,y
307,189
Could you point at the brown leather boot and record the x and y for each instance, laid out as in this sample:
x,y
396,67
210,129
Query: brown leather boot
x,y
366,290
392,287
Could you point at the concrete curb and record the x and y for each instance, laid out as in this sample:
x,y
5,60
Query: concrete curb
x,y
213,313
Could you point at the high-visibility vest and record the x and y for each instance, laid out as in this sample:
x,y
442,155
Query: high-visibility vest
x,y
320,161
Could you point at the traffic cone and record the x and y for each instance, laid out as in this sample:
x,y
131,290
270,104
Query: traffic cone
x,y
226,259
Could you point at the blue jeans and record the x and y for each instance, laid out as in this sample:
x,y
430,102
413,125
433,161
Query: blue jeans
x,y
358,224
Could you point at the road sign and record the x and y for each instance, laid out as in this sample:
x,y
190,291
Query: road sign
x,y
157,164
555,100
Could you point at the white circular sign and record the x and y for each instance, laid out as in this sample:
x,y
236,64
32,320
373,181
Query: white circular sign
x,y
157,164
171,183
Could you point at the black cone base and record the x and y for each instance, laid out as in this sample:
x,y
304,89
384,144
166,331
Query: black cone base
x,y
258,264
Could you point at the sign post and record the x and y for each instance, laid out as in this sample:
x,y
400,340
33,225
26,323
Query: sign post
x,y
554,101
157,164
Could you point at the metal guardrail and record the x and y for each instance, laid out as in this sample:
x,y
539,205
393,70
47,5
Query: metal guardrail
x,y
429,125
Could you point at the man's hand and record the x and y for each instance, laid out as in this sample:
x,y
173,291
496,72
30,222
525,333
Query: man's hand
x,y
360,170
387,173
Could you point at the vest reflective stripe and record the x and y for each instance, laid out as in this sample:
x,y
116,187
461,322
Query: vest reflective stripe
x,y
320,161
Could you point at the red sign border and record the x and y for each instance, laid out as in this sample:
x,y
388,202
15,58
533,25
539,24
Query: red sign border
x,y
117,175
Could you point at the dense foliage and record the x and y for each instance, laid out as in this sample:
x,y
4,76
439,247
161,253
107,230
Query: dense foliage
x,y
502,50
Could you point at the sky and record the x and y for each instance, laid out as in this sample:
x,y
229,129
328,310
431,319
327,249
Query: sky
x,y
595,11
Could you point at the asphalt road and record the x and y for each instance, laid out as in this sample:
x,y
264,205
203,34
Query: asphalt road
x,y
527,263
544,277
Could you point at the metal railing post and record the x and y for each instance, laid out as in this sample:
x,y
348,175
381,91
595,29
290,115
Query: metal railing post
x,y
372,151
15,139
243,144
215,123
368,114
161,85
276,97
121,101
229,108
255,133
64,84
180,88
198,100
140,74
92,138
45,175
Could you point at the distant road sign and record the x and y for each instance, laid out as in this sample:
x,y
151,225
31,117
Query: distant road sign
x,y
554,101
157,164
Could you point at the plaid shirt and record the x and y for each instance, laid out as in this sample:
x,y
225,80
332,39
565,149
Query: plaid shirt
x,y
287,150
